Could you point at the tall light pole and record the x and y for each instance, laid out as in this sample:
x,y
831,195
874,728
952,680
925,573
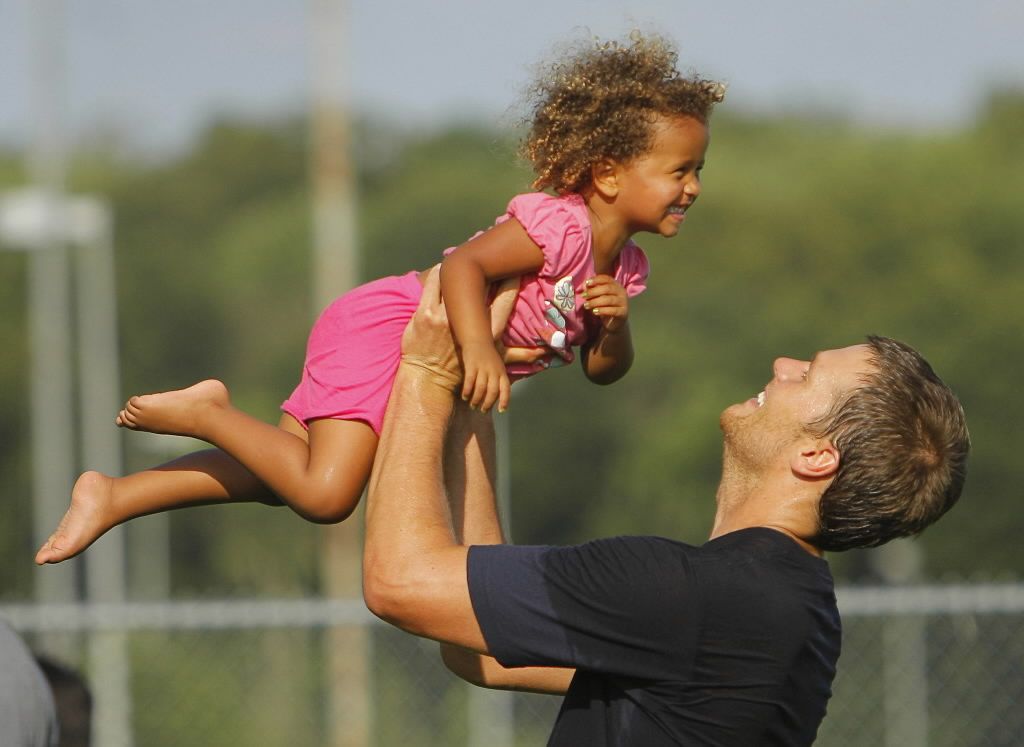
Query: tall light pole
x,y
48,300
334,267
28,219
49,222
99,393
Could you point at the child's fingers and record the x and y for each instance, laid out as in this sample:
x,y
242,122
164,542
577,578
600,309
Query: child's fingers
x,y
599,290
468,385
479,396
604,299
476,399
505,394
492,393
607,305
476,388
523,355
600,281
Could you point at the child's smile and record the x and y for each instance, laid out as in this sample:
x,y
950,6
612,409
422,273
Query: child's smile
x,y
657,188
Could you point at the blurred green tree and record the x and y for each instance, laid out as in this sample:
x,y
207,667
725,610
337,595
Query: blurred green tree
x,y
810,233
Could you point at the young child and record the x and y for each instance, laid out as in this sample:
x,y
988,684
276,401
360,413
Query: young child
x,y
619,137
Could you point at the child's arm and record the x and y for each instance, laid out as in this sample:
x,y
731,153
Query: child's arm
x,y
608,357
506,250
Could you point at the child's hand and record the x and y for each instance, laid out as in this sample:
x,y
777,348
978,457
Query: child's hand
x,y
607,300
485,379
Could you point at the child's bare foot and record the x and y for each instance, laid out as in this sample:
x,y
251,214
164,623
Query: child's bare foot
x,y
180,412
84,522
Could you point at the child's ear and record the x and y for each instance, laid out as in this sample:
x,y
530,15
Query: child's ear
x,y
604,176
816,460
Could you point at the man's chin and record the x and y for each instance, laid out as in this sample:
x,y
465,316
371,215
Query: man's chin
x,y
733,413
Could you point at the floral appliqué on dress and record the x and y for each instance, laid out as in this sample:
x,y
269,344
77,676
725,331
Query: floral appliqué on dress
x,y
565,299
565,294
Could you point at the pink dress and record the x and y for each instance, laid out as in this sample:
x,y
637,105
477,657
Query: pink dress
x,y
355,346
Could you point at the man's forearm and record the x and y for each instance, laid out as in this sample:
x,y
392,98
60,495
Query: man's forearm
x,y
406,513
470,474
414,572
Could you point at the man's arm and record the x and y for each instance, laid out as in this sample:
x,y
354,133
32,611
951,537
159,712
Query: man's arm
x,y
414,572
469,472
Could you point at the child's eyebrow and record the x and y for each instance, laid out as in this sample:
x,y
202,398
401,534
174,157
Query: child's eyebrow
x,y
690,162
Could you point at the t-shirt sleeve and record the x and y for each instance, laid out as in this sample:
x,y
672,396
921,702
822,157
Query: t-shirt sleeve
x,y
553,226
620,606
633,270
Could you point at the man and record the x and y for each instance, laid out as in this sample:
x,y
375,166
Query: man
x,y
28,717
653,641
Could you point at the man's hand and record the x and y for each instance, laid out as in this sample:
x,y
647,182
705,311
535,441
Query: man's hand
x,y
428,342
606,299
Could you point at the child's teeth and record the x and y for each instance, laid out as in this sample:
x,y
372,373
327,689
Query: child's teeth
x,y
760,399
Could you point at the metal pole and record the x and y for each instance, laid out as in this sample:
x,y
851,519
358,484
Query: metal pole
x,y
49,313
100,388
335,259
905,652
349,715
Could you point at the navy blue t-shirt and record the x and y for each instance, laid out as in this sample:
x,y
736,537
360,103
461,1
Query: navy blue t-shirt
x,y
734,642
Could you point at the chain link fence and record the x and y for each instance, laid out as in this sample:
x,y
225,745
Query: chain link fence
x,y
935,665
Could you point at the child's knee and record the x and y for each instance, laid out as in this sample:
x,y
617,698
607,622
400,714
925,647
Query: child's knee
x,y
330,506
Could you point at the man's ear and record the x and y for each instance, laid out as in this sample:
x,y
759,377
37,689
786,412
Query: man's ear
x,y
815,460
604,175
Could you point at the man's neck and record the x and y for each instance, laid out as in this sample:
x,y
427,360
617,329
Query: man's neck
x,y
745,501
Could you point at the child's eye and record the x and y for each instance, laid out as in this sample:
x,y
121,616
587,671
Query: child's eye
x,y
803,376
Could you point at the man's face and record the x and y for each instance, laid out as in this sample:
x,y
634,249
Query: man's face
x,y
799,393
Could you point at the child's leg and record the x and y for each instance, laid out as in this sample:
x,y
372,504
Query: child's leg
x,y
99,502
321,479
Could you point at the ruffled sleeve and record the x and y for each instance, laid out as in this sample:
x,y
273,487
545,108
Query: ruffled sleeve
x,y
633,269
556,225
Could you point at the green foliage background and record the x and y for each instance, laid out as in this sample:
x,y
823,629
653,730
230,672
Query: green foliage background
x,y
810,233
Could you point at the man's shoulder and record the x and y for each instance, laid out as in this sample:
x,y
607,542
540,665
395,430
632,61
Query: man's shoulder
x,y
763,543
644,549
761,572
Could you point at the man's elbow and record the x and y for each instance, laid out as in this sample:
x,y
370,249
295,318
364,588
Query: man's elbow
x,y
388,592
464,664
477,669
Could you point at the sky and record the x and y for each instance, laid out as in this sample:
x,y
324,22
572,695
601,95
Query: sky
x,y
156,72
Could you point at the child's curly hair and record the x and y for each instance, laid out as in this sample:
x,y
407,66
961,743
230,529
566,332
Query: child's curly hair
x,y
601,101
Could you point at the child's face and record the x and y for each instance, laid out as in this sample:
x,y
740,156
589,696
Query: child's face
x,y
656,189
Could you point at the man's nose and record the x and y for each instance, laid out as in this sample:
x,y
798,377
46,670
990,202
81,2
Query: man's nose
x,y
787,368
